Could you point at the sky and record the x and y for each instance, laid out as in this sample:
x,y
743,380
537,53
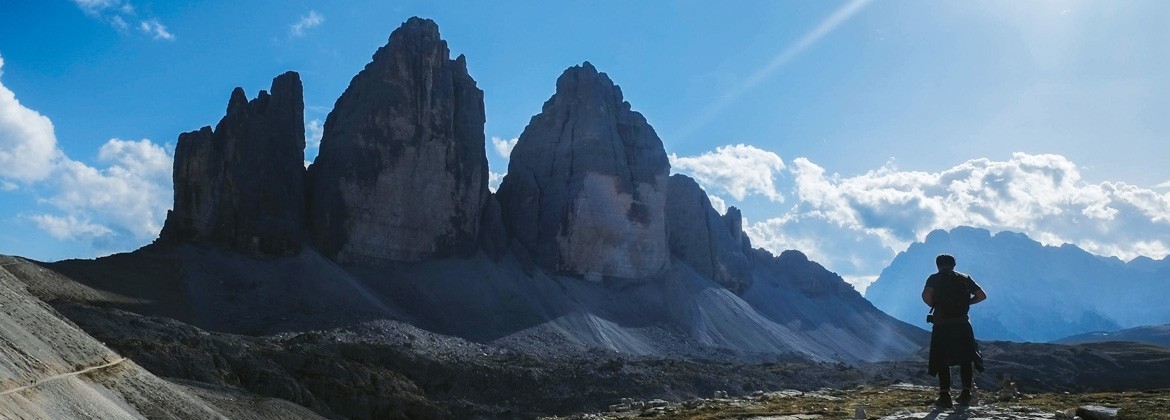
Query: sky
x,y
844,129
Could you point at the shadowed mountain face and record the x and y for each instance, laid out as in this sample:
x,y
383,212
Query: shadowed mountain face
x,y
1035,292
588,246
402,171
586,183
242,185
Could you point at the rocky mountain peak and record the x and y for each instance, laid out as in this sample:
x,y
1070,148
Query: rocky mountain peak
x,y
587,182
713,245
242,184
402,171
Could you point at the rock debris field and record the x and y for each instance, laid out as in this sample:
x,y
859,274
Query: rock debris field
x,y
896,402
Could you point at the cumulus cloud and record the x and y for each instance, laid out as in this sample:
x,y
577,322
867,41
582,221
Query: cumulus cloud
x,y
738,170
125,201
119,14
494,180
314,130
119,205
718,203
856,224
311,20
28,146
504,146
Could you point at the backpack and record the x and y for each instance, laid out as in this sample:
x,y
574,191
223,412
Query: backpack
x,y
952,298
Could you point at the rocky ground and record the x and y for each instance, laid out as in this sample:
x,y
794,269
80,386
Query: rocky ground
x,y
895,402
387,369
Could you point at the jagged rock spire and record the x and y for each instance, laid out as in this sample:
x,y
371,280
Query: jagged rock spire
x,y
587,182
402,171
242,184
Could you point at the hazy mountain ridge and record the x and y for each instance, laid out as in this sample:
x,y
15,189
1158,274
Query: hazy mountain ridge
x,y
1149,334
1036,292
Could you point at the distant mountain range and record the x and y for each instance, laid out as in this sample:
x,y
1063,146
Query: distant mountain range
x,y
1035,292
1150,334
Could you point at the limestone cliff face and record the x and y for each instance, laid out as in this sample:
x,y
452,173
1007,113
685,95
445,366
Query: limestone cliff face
x,y
586,183
242,184
402,171
713,245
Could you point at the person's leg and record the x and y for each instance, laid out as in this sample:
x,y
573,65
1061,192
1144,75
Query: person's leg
x,y
966,375
944,388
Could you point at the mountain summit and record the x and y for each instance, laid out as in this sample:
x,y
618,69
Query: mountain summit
x,y
586,184
402,172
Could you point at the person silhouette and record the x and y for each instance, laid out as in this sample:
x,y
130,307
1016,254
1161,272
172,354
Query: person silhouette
x,y
950,295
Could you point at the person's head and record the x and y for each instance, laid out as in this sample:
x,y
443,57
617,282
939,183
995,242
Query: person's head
x,y
944,262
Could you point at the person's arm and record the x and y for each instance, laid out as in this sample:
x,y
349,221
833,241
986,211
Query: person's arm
x,y
928,296
980,296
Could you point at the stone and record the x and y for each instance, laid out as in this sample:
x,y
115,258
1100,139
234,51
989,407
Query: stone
x,y
402,172
1096,412
713,245
587,183
241,185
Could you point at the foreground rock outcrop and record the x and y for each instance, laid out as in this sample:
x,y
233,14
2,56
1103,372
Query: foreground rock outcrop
x,y
242,184
587,182
402,173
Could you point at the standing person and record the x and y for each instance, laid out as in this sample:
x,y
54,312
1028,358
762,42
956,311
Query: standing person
x,y
950,295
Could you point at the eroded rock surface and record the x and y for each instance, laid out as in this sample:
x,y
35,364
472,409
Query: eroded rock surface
x,y
586,183
713,245
402,172
242,184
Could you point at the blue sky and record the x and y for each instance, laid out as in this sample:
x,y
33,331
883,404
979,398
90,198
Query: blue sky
x,y
845,129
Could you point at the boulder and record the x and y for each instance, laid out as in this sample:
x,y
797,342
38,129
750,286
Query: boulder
x,y
242,184
587,182
1096,412
402,172
713,245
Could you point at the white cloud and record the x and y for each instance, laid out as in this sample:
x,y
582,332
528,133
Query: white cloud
x,y
718,203
860,282
738,170
1163,185
312,20
856,224
118,13
115,207
28,146
504,146
95,7
155,29
494,180
314,130
69,227
128,197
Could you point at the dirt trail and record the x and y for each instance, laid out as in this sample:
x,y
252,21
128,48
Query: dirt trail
x,y
63,375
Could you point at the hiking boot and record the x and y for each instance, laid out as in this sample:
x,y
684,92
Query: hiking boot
x,y
944,400
964,397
